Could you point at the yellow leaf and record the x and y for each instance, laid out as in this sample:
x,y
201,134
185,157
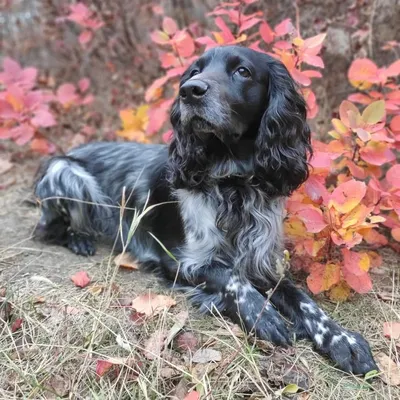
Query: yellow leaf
x,y
340,292
356,216
374,112
294,227
134,123
334,134
364,262
298,41
339,126
361,85
219,38
331,276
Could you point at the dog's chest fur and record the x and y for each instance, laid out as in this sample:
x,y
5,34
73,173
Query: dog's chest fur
x,y
237,227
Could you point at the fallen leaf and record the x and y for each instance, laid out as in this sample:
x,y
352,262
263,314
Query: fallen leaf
x,y
168,372
199,371
72,310
203,356
16,324
186,341
81,279
58,385
5,166
38,300
192,396
179,324
292,388
137,318
391,330
102,367
124,260
152,304
390,371
154,345
95,290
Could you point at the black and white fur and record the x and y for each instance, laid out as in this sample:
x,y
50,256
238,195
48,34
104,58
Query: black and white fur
x,y
240,147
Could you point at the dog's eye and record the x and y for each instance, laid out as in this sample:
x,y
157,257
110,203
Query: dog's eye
x,y
244,72
194,72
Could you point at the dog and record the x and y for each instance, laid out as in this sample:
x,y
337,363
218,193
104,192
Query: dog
x,y
214,198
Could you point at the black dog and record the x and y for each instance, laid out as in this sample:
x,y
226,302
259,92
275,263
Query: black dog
x,y
240,147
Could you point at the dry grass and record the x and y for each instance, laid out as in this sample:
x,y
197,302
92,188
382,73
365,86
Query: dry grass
x,y
67,330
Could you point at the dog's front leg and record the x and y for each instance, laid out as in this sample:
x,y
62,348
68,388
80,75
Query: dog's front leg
x,y
349,350
218,286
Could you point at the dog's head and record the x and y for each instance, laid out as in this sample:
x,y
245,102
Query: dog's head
x,y
234,95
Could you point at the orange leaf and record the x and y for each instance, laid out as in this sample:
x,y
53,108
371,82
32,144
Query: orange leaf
x,y
134,123
314,280
152,304
396,234
375,258
391,330
372,236
124,260
81,279
340,292
347,196
154,91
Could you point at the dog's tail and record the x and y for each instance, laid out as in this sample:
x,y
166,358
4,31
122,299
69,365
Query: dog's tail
x,y
68,191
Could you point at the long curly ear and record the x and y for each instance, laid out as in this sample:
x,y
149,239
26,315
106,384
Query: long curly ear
x,y
283,140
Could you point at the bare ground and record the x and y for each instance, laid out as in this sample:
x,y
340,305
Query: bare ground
x,y
66,330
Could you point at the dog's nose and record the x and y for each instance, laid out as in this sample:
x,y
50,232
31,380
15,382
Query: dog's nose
x,y
193,90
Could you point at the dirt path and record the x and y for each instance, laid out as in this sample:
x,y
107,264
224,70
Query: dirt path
x,y
66,331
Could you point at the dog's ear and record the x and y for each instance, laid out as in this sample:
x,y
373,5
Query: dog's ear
x,y
283,140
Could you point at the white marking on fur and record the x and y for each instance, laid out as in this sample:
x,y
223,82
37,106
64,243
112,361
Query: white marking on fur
x,y
307,307
318,339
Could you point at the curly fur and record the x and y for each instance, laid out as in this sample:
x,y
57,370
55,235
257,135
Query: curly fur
x,y
240,147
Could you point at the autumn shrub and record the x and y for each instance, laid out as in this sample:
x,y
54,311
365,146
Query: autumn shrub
x,y
350,205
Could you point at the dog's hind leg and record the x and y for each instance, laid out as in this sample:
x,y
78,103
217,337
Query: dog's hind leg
x,y
74,208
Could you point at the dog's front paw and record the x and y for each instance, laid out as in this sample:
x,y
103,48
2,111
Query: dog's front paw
x,y
80,244
350,351
255,313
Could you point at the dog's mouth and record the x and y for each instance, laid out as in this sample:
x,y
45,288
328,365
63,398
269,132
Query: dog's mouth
x,y
201,125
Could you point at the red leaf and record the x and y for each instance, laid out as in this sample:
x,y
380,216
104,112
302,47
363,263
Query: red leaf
x,y
377,153
284,27
169,26
167,136
22,134
395,124
391,330
43,118
355,263
300,77
192,396
360,98
315,41
66,94
393,69
266,32
226,32
16,324
313,219
84,84
249,24
315,188
393,176
359,283
85,37
81,279
102,367
315,61
362,73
